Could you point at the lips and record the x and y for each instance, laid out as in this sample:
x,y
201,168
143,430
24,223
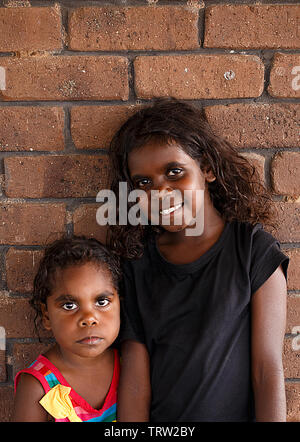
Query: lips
x,y
90,340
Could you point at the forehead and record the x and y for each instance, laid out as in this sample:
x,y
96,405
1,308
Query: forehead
x,y
83,274
155,155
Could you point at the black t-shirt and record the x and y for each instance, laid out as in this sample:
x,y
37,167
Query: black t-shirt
x,y
195,322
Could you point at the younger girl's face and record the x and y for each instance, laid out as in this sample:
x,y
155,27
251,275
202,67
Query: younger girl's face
x,y
83,310
167,168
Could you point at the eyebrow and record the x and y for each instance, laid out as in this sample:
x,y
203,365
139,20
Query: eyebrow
x,y
71,298
165,166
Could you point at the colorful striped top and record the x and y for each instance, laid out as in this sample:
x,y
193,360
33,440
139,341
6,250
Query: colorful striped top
x,y
52,380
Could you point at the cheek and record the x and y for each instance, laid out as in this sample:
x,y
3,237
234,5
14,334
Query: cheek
x,y
112,322
60,323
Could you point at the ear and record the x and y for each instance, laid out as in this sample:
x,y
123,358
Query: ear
x,y
209,176
45,317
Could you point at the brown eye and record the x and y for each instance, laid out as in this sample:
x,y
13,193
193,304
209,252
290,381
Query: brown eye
x,y
174,172
142,183
69,306
103,302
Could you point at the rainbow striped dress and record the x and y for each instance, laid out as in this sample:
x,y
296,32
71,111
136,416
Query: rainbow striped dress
x,y
72,407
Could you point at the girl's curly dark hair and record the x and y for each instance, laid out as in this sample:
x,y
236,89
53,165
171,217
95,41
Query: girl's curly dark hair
x,y
237,193
65,252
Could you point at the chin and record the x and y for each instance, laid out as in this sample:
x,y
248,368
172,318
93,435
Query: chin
x,y
173,229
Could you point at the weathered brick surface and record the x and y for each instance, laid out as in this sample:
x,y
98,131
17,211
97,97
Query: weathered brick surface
x,y
287,215
31,223
252,26
257,125
6,403
293,313
21,266
285,76
93,127
31,128
85,223
3,371
133,28
285,173
258,161
16,316
294,266
199,76
292,390
27,29
291,356
65,78
59,176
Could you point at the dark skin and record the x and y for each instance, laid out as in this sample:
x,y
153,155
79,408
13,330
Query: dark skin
x,y
84,303
150,169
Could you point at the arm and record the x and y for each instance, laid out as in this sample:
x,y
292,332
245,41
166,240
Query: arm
x,y
268,328
134,391
26,405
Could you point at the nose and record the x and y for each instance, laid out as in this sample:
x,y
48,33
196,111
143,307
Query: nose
x,y
88,320
162,186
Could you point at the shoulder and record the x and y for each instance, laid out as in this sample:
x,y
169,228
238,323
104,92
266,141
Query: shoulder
x,y
253,236
264,255
29,392
28,383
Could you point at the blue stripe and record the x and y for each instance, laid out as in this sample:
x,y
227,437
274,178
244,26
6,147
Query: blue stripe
x,y
107,413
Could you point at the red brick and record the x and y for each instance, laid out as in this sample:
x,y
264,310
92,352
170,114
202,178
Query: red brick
x,y
31,223
17,317
21,267
252,26
292,390
85,223
57,176
293,271
23,29
93,127
65,78
258,161
257,125
293,313
25,354
31,128
287,216
285,75
138,28
285,173
3,373
291,358
6,403
199,76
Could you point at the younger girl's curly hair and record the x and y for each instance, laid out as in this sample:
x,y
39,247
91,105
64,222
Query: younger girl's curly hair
x,y
65,252
237,192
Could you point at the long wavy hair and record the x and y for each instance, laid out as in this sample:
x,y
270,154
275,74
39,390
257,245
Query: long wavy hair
x,y
237,193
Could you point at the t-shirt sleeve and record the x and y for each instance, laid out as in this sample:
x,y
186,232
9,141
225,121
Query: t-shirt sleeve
x,y
131,323
266,256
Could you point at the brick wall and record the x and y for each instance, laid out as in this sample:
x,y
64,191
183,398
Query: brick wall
x,y
66,87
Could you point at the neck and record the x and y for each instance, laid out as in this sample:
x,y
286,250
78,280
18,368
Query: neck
x,y
71,361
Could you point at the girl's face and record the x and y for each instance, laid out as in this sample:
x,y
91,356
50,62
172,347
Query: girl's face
x,y
83,310
167,168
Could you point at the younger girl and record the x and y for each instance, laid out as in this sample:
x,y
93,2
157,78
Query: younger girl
x,y
76,294
204,315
